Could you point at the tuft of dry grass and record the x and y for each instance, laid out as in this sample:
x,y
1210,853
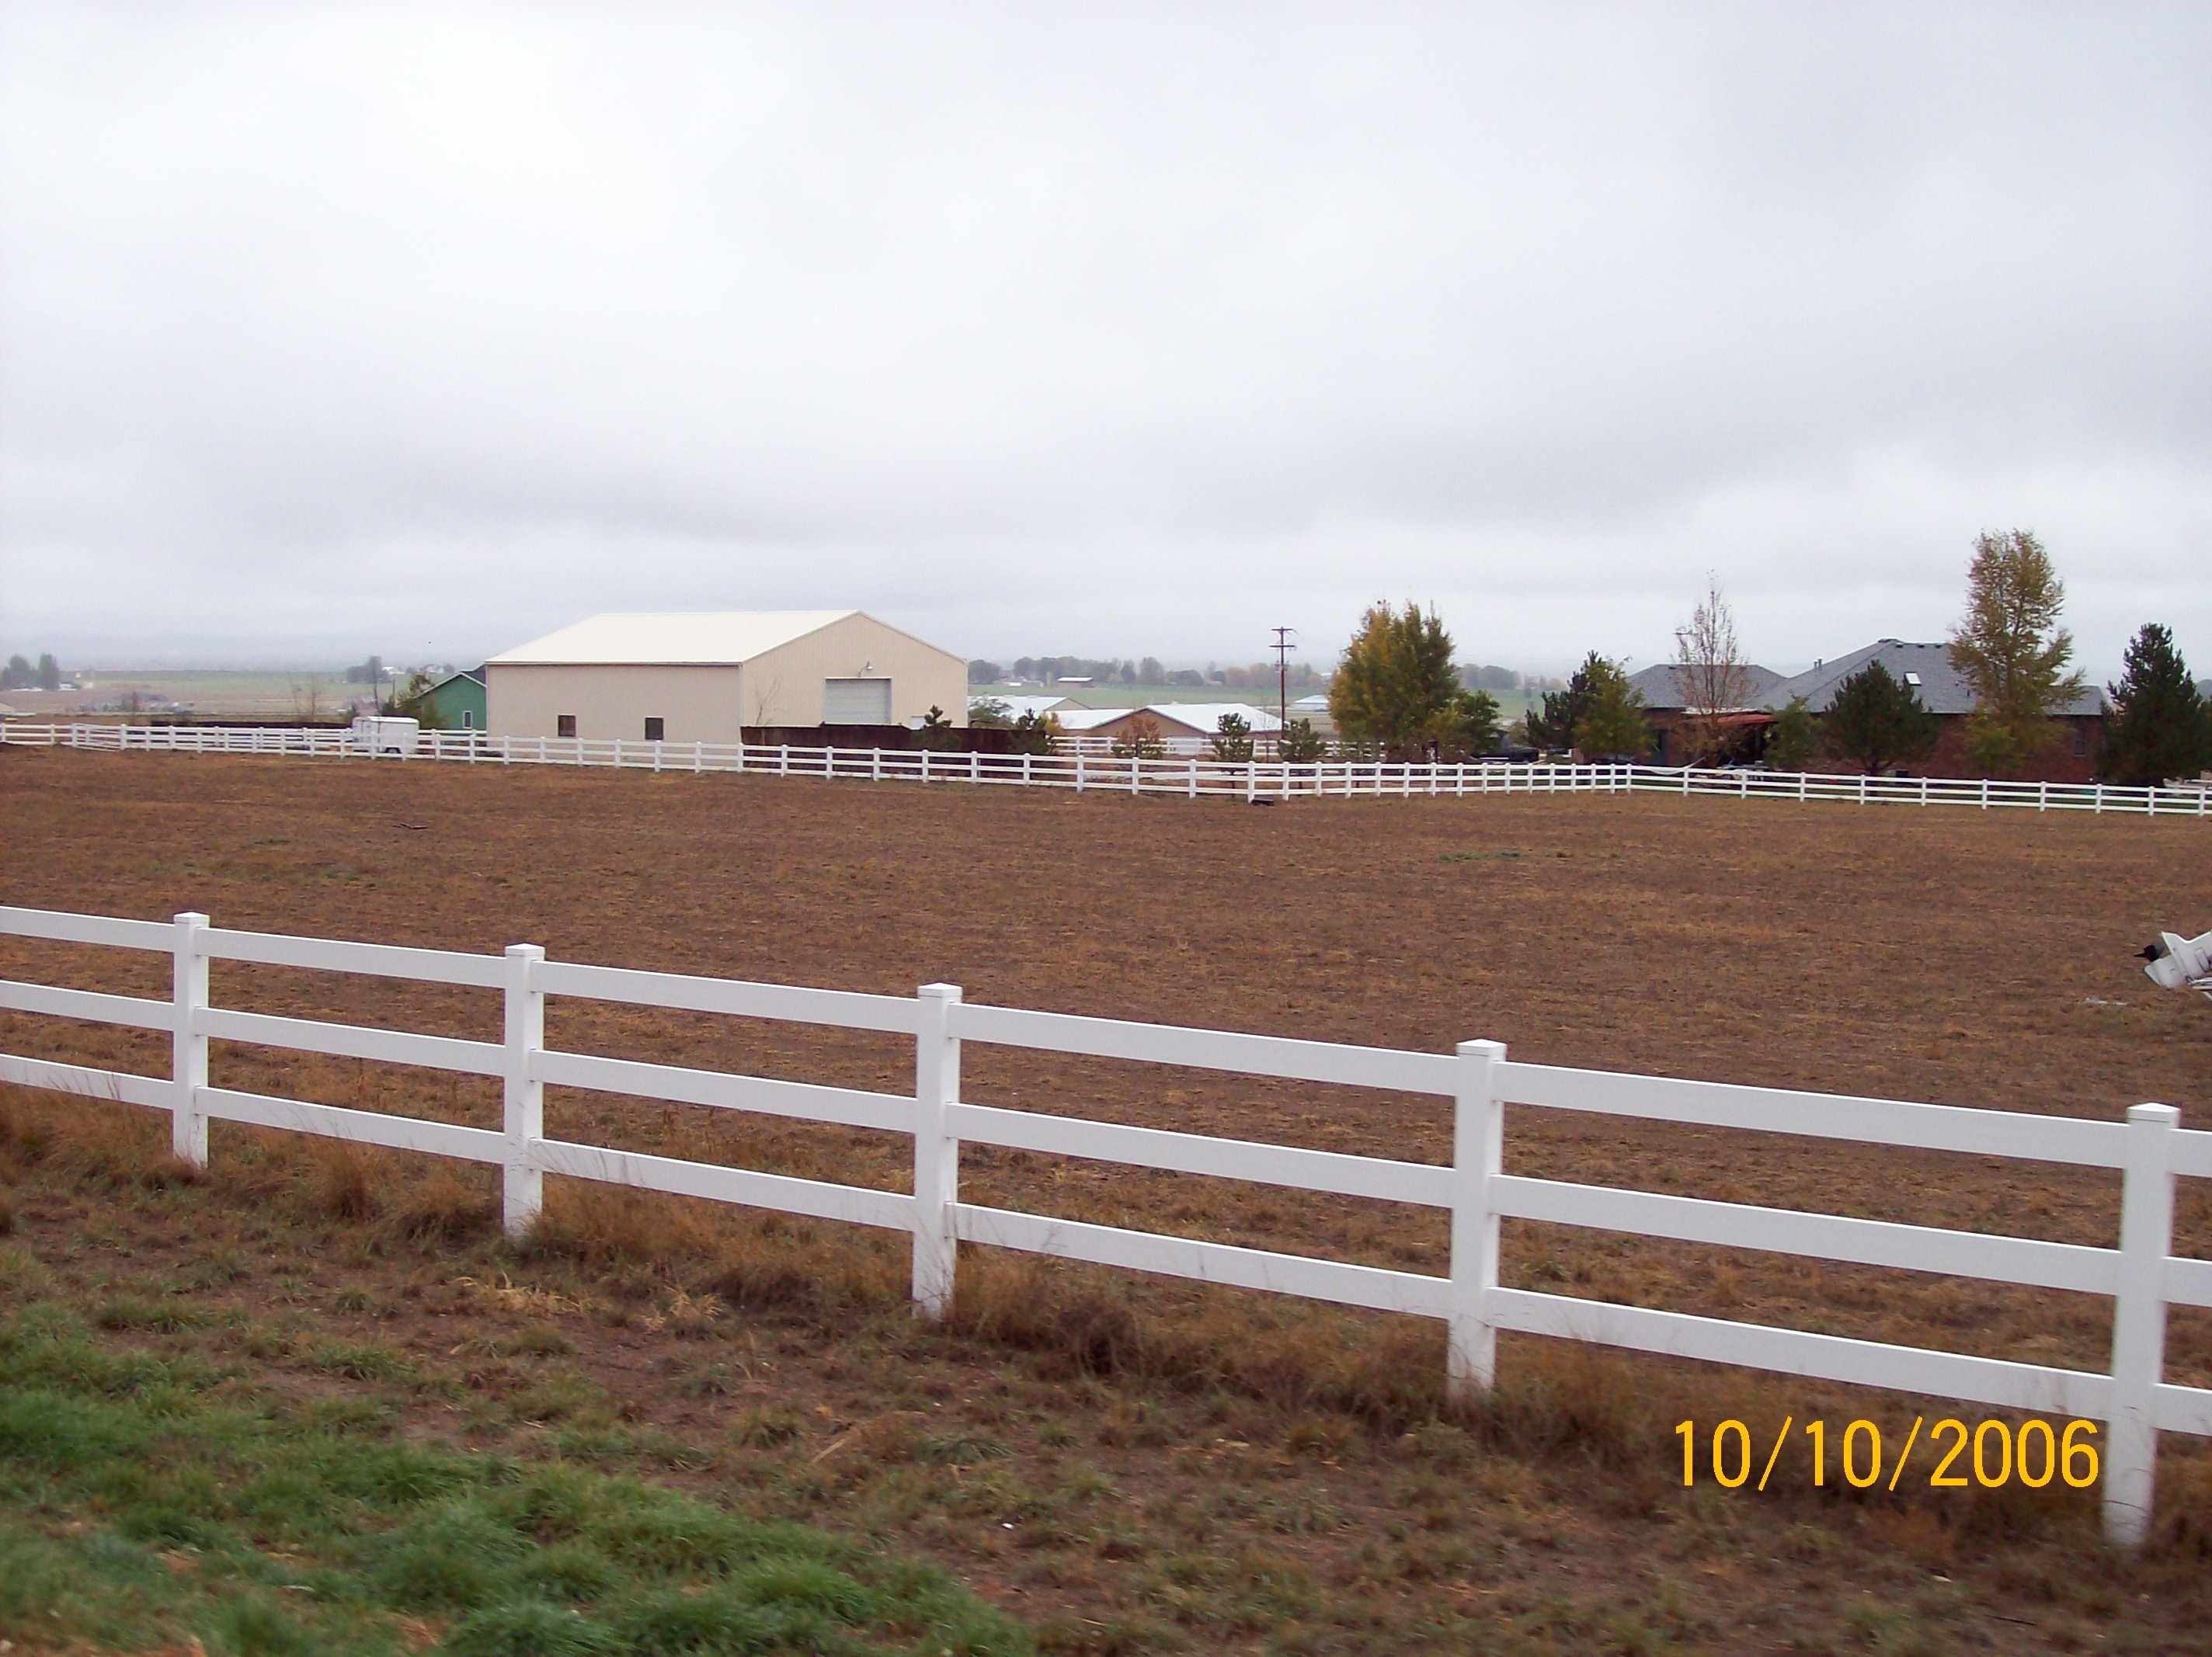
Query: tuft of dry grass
x,y
607,1227
1076,1320
744,1258
2183,1531
97,1139
347,1179
447,1206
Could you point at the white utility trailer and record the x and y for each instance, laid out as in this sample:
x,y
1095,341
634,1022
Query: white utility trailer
x,y
377,735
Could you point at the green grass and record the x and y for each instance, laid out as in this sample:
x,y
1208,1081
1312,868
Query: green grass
x,y
147,1500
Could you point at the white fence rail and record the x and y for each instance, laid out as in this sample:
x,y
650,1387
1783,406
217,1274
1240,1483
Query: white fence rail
x,y
1189,774
2142,1275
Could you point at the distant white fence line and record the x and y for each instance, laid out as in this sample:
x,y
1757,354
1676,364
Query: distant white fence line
x,y
2142,1275
1188,774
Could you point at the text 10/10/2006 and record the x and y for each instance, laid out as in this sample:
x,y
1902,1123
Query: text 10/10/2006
x,y
1994,1453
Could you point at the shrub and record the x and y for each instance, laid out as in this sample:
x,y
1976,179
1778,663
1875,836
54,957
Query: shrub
x,y
1144,742
1301,744
1232,740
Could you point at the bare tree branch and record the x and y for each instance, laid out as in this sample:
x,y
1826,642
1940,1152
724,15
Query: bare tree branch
x,y
1710,676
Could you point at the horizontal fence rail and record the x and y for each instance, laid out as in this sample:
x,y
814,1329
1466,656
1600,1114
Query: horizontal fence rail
x,y
1195,775
2142,1277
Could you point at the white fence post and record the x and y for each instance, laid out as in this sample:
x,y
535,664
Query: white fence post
x,y
936,1152
523,1194
1478,1148
188,1048
2139,1322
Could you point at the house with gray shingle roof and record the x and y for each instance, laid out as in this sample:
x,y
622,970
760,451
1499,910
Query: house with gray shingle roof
x,y
1925,668
1659,690
2072,757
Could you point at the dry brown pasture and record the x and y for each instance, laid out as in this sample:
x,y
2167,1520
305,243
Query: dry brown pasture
x,y
1151,1465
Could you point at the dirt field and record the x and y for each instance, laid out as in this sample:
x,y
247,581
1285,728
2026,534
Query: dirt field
x,y
1282,1476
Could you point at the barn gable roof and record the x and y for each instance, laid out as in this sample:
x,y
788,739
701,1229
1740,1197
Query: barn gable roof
x,y
681,639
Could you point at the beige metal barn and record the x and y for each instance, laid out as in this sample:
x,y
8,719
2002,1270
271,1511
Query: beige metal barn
x,y
702,677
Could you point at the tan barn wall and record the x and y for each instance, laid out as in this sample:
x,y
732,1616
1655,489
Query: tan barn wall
x,y
780,687
783,686
699,703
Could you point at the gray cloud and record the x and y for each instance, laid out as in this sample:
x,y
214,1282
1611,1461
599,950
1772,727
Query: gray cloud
x,y
328,330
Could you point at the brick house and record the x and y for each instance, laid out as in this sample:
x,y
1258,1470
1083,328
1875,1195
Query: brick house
x,y
1927,669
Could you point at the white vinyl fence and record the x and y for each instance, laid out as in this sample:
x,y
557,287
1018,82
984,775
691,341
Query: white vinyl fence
x,y
2142,1275
1188,774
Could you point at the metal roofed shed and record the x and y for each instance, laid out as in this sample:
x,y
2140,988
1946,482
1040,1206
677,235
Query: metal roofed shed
x,y
706,675
1017,707
1185,727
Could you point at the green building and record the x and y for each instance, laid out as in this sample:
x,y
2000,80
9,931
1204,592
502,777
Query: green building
x,y
452,704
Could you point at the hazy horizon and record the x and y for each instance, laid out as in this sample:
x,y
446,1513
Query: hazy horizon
x,y
423,331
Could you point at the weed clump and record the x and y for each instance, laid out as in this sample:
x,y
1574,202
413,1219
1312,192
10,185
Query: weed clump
x,y
102,1142
443,1207
346,1180
759,1262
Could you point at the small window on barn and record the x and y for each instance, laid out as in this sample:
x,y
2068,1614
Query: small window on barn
x,y
564,725
468,718
2081,742
655,730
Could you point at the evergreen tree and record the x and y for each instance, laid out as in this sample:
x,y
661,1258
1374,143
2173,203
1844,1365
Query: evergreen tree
x,y
1232,739
1612,725
49,673
2159,726
1876,720
1551,724
1301,744
1036,733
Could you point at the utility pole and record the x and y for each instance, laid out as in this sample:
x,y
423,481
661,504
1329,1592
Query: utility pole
x,y
1283,637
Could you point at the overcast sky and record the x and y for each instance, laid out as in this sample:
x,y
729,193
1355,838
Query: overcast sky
x,y
328,330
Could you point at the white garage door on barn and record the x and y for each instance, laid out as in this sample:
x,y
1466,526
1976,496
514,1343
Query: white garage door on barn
x,y
856,701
